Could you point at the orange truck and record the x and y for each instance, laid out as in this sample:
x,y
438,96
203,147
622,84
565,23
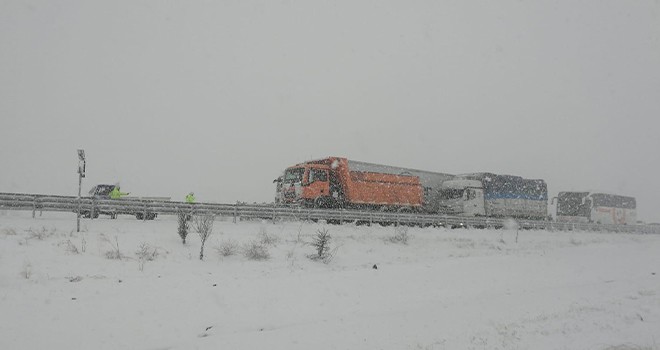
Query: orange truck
x,y
332,183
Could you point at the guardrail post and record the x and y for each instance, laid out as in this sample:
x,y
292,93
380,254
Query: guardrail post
x,y
92,210
34,206
144,213
235,211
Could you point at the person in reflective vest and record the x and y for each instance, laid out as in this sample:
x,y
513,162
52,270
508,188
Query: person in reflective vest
x,y
190,198
116,193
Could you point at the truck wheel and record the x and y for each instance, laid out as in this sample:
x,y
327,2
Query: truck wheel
x,y
151,216
325,202
139,216
319,203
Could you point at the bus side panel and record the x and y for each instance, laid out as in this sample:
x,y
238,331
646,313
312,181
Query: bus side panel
x,y
572,219
616,216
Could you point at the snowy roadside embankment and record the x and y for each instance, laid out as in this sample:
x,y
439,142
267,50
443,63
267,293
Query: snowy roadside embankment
x,y
444,289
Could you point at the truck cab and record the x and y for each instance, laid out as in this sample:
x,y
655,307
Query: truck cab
x,y
101,191
308,185
462,197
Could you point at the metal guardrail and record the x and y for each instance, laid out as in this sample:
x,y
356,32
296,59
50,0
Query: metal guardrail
x,y
142,207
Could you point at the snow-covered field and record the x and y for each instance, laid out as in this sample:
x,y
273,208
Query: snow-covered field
x,y
444,289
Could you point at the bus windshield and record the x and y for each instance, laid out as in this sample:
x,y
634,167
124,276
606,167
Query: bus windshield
x,y
573,204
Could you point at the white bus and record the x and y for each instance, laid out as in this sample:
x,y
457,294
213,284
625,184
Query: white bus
x,y
600,208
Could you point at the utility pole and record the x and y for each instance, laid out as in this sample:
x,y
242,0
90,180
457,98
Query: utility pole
x,y
81,174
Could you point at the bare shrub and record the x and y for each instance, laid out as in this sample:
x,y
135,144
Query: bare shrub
x,y
41,233
299,235
298,239
575,242
291,256
114,253
227,248
330,255
266,238
321,244
69,247
145,253
183,218
203,223
400,236
255,250
204,226
9,232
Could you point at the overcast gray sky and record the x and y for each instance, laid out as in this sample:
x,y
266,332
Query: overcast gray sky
x,y
218,97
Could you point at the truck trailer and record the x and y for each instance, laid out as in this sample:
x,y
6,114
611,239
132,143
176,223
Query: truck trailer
x,y
493,195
